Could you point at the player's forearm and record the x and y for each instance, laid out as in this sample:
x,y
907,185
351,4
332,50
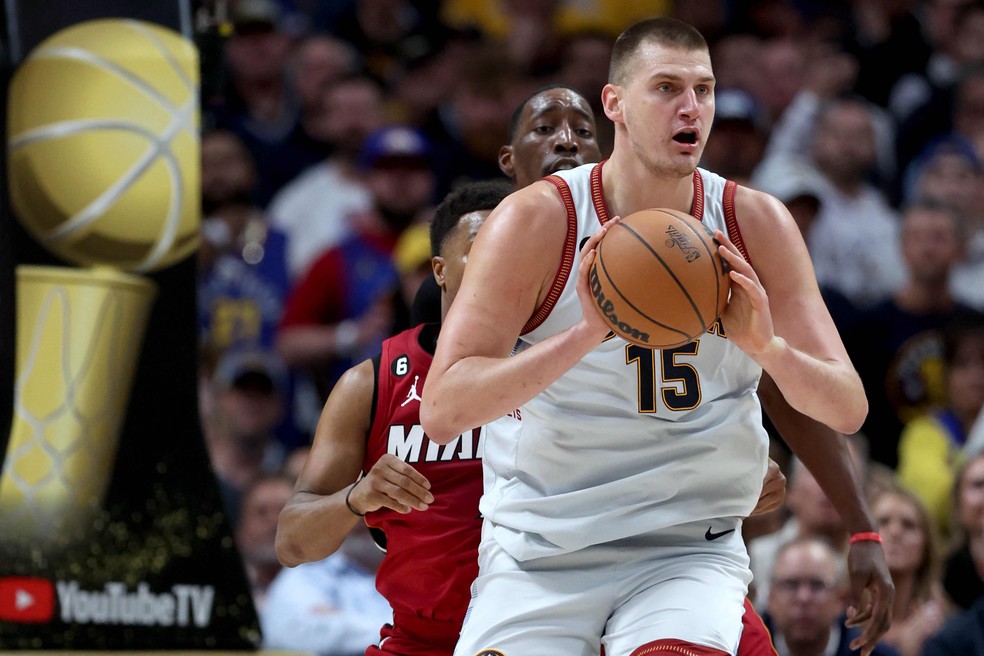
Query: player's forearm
x,y
312,527
828,391
825,454
476,390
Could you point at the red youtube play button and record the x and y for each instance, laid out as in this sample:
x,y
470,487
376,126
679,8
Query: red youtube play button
x,y
26,599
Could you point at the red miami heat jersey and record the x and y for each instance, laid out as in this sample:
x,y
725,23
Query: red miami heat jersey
x,y
431,556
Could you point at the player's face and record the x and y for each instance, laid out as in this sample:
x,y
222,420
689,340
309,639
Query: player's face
x,y
449,268
555,132
666,107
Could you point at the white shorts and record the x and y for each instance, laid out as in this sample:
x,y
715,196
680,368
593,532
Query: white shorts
x,y
623,594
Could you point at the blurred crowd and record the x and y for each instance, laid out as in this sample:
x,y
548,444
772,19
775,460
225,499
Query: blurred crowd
x,y
332,128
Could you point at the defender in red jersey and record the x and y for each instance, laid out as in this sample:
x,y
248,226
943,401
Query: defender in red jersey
x,y
420,496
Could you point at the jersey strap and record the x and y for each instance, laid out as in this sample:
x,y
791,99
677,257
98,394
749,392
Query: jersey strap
x,y
731,219
566,260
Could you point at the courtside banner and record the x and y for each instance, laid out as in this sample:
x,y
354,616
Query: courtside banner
x,y
112,530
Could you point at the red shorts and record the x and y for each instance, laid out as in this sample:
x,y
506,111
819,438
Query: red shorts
x,y
755,638
410,635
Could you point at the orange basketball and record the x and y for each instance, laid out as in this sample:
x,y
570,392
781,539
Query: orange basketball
x,y
658,278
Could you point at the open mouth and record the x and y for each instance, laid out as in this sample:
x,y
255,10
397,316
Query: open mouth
x,y
564,164
688,137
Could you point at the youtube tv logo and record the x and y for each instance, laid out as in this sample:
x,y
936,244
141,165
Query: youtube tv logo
x,y
26,599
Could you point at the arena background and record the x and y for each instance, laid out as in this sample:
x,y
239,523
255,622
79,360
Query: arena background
x,y
156,567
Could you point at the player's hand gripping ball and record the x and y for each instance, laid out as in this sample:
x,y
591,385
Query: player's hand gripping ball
x,y
103,148
658,278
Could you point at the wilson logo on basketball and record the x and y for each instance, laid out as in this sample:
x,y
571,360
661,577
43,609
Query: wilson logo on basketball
x,y
677,238
608,309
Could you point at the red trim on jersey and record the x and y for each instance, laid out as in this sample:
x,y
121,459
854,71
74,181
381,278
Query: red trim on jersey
x,y
675,647
598,195
601,205
731,219
566,260
697,206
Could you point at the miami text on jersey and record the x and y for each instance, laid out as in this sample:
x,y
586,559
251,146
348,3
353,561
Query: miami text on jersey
x,y
412,445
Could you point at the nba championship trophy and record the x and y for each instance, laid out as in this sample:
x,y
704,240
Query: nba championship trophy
x,y
103,171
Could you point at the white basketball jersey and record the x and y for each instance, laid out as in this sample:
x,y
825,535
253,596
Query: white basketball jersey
x,y
630,440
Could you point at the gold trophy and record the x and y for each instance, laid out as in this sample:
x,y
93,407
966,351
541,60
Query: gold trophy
x,y
103,170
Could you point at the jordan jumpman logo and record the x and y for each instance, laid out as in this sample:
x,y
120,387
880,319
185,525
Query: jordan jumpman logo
x,y
412,394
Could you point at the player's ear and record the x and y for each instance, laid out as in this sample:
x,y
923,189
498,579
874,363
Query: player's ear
x,y
437,266
506,162
611,102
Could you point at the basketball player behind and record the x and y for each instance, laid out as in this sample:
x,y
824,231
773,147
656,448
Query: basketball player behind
x,y
602,522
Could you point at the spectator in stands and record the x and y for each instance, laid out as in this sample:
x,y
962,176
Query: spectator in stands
x,y
258,103
949,170
939,20
780,74
896,345
948,96
801,189
888,42
348,301
931,445
317,62
242,276
854,240
256,533
427,78
248,402
474,119
314,209
584,67
328,607
807,601
387,33
963,570
912,553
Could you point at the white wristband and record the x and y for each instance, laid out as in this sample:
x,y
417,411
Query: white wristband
x,y
346,337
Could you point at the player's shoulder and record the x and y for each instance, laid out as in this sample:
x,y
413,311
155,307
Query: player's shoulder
x,y
356,381
529,210
757,201
758,211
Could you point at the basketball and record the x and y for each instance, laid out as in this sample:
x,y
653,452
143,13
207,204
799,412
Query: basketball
x,y
658,278
103,149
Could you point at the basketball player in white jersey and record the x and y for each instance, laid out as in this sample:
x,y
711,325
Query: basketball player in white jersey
x,y
615,510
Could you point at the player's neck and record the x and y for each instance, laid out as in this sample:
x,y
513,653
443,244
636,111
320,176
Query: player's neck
x,y
629,187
